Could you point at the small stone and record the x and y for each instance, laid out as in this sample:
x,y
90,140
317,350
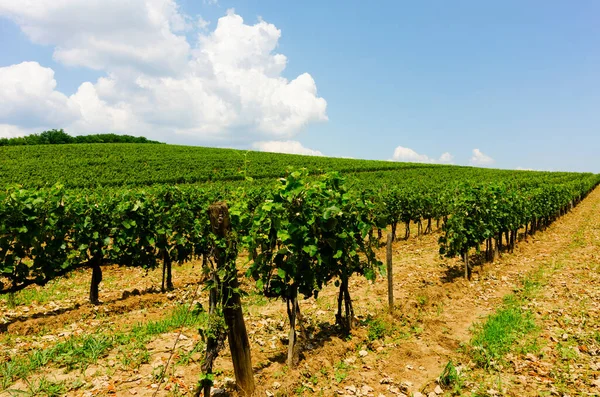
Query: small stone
x,y
418,394
229,383
363,353
171,296
350,360
132,391
269,394
438,390
351,389
431,394
565,336
276,385
409,367
406,385
366,389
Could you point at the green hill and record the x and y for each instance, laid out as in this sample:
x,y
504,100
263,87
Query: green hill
x,y
130,164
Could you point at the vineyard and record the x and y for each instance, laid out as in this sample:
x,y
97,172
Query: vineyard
x,y
282,227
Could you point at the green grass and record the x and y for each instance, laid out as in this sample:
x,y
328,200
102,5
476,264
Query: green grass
x,y
508,328
377,328
340,371
450,378
78,352
500,332
52,292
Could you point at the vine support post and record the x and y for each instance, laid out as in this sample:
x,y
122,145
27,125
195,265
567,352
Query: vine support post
x,y
237,334
96,280
390,274
466,260
167,274
292,310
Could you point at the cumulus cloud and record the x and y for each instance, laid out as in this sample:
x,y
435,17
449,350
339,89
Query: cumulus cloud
x,y
28,97
480,159
409,155
228,84
11,131
446,158
291,147
138,35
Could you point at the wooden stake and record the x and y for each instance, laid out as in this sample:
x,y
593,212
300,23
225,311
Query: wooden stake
x,y
390,274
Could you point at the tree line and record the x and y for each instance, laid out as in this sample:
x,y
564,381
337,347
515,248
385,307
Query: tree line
x,y
60,137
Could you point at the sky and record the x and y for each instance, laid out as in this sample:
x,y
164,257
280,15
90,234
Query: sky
x,y
507,84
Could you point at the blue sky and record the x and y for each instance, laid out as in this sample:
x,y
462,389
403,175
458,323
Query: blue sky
x,y
519,81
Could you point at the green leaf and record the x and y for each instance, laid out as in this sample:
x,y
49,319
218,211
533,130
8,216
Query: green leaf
x,y
281,273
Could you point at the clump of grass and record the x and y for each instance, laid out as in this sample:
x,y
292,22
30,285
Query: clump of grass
x,y
377,328
340,371
450,377
496,336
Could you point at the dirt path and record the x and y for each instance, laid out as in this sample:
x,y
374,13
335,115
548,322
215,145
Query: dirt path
x,y
567,311
434,313
440,312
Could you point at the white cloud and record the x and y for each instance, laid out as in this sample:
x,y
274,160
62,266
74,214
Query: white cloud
x,y
446,158
481,159
203,23
291,147
11,131
228,85
28,97
409,155
138,35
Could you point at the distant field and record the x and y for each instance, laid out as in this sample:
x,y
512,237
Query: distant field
x,y
92,165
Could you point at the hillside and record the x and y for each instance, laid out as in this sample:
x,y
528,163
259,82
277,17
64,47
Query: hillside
x,y
123,164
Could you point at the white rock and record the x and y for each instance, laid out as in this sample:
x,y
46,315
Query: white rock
x,y
366,389
363,353
438,390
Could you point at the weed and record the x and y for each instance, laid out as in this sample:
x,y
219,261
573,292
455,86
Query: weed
x,y
378,328
496,336
186,356
45,387
422,300
450,377
340,371
300,390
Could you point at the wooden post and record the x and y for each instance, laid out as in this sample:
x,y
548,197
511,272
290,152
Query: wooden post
x,y
390,274
239,344
96,280
466,260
